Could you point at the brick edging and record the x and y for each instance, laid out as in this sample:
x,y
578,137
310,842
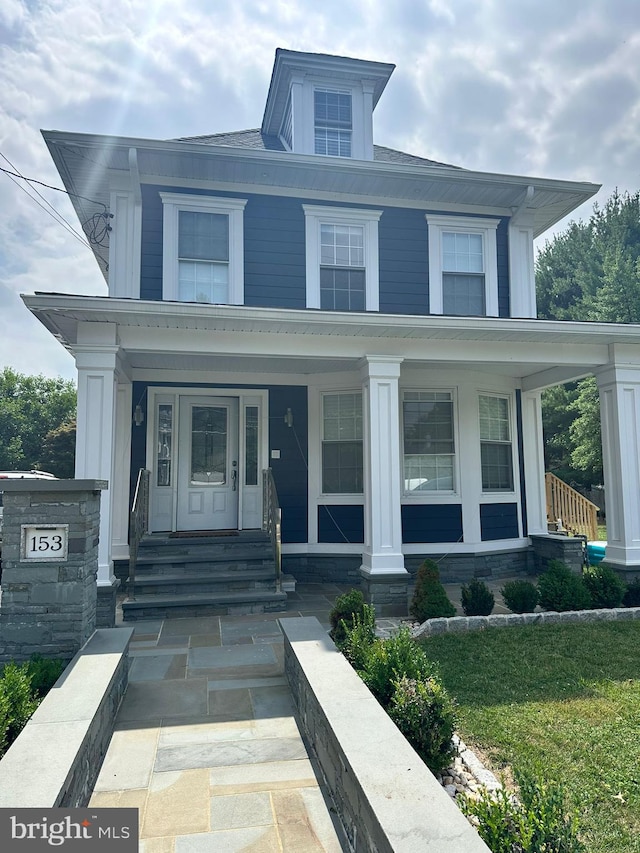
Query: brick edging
x,y
462,624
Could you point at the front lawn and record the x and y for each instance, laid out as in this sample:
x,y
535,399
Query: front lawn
x,y
566,696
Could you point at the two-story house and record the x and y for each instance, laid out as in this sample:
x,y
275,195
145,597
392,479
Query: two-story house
x,y
359,320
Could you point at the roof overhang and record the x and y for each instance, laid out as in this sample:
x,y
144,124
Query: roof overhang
x,y
92,166
538,353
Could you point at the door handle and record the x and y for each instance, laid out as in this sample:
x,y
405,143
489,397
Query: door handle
x,y
234,477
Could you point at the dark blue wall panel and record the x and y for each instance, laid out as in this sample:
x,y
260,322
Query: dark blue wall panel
x,y
499,521
339,523
431,523
274,253
289,472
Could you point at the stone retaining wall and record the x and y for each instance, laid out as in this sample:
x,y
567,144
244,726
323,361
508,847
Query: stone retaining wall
x,y
56,759
462,624
386,798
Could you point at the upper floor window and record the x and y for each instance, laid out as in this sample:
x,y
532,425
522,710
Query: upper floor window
x,y
203,249
429,444
463,267
332,122
496,456
342,258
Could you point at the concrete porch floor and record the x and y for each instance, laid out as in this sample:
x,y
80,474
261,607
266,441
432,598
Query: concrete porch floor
x,y
206,744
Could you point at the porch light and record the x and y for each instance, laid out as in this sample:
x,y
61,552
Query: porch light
x,y
288,418
138,415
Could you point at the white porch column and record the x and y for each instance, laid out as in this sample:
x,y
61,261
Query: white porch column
x,y
619,387
96,363
381,432
533,443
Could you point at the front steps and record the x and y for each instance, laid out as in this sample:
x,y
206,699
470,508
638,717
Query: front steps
x,y
224,575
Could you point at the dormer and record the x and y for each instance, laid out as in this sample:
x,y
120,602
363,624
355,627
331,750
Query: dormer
x,y
320,104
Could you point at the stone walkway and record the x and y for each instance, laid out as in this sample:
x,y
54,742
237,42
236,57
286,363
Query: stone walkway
x,y
206,745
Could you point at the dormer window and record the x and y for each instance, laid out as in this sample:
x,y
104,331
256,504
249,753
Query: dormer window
x,y
332,122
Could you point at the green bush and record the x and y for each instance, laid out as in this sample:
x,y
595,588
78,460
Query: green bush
x,y
424,713
345,607
477,599
44,673
560,589
631,597
429,597
357,645
537,822
15,686
604,585
391,659
520,596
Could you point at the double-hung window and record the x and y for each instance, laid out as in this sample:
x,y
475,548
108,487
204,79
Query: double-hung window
x,y
203,249
496,457
463,268
342,443
429,443
342,258
332,123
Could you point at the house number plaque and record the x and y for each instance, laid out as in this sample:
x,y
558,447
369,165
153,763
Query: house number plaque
x,y
44,542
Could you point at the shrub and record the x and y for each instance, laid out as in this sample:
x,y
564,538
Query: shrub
x,y
604,585
44,673
20,703
342,615
520,596
631,597
477,599
537,823
560,589
429,597
357,645
390,659
424,713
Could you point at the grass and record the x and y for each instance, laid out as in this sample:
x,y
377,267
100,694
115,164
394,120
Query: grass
x,y
566,698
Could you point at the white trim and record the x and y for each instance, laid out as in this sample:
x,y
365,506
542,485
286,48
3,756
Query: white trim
x,y
173,203
522,280
317,215
125,245
472,225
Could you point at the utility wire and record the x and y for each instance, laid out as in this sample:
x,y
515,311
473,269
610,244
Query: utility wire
x,y
17,174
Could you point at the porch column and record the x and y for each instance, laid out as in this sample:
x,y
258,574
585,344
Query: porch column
x,y
383,573
96,363
619,387
533,447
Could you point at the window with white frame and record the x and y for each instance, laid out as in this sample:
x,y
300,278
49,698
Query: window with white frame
x,y
463,266
342,469
429,443
332,122
496,457
342,258
203,249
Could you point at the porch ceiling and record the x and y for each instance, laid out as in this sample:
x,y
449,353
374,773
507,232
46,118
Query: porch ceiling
x,y
229,338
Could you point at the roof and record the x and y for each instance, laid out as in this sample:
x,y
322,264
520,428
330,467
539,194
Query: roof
x,y
257,140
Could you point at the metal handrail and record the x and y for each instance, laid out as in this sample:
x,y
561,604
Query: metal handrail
x,y
272,520
576,514
138,524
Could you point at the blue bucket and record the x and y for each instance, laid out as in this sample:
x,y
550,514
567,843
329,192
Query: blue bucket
x,y
596,552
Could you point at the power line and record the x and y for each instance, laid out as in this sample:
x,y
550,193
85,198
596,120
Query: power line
x,y
51,187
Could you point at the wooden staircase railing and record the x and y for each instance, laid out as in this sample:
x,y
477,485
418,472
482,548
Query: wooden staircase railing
x,y
577,515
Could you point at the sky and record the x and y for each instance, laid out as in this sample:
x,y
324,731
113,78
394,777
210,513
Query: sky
x,y
547,88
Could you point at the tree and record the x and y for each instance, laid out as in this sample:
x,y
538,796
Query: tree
x,y
32,408
589,272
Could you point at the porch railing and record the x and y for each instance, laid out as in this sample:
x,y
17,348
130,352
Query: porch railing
x,y
138,525
272,519
568,510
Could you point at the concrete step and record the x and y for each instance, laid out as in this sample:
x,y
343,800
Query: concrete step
x,y
240,560
203,604
181,583
162,544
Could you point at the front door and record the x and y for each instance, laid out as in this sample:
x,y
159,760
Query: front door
x,y
208,464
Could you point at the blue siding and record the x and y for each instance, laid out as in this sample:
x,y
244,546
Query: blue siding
x,y
498,521
289,472
431,523
274,246
340,523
